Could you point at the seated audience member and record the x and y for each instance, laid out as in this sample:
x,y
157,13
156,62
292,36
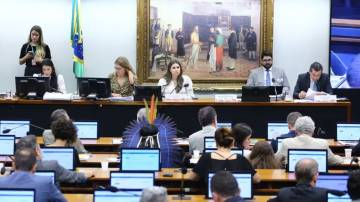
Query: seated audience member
x,y
123,79
222,158
23,177
175,85
49,138
262,156
353,185
290,119
315,80
304,128
207,118
242,134
141,114
57,82
150,194
62,175
225,188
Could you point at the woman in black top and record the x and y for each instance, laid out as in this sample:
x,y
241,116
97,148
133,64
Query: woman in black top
x,y
34,51
222,159
242,134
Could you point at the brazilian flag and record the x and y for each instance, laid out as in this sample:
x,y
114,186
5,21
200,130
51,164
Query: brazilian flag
x,y
77,39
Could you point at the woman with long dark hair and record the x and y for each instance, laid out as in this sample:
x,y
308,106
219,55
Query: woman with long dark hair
x,y
57,82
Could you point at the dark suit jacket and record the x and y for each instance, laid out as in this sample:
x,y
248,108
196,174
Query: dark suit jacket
x,y
303,84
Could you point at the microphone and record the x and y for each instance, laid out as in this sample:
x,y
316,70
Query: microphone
x,y
185,163
115,189
354,160
274,82
5,131
56,90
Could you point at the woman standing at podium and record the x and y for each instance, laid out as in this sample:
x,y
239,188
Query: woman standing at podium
x,y
34,52
123,79
175,85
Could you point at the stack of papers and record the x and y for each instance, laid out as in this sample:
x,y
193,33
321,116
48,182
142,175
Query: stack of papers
x,y
57,96
117,99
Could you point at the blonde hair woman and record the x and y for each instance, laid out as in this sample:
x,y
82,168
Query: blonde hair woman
x,y
123,79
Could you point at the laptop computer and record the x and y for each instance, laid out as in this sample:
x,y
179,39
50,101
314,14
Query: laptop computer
x,y
119,196
47,173
348,134
18,128
255,94
17,195
209,143
274,130
335,181
279,142
64,155
87,129
223,125
132,180
244,180
334,198
7,145
319,155
135,159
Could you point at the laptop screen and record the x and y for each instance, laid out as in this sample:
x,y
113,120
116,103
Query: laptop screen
x,y
334,198
223,125
274,130
50,174
133,180
119,196
209,143
18,128
333,181
140,159
244,181
348,132
279,143
87,130
64,156
7,145
17,195
294,155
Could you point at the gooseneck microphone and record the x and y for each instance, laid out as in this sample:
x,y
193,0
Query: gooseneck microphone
x,y
5,131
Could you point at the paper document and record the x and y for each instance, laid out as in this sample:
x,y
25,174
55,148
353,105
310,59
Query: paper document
x,y
57,96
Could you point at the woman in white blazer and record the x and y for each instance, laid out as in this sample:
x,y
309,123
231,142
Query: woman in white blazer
x,y
57,82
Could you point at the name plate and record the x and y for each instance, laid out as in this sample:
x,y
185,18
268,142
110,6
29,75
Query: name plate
x,y
225,98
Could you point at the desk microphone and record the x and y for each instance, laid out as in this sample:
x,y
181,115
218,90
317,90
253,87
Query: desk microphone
x,y
185,163
115,189
55,90
274,82
5,131
354,160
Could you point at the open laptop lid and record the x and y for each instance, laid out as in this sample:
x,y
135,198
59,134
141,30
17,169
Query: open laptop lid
x,y
19,128
335,181
7,145
255,94
132,180
47,173
274,130
334,198
140,159
128,195
209,143
64,155
319,155
348,131
17,195
87,129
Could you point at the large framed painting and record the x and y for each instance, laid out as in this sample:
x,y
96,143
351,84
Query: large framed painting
x,y
217,42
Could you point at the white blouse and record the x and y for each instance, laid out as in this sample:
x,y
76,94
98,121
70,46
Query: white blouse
x,y
169,92
60,81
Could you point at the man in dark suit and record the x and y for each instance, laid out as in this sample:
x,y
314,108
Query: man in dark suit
x,y
23,177
225,188
315,79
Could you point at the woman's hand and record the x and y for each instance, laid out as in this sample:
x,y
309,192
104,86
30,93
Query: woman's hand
x,y
38,59
115,95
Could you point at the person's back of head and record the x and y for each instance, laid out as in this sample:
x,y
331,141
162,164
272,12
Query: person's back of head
x,y
158,194
223,186
25,160
306,171
59,114
27,142
304,125
141,114
353,185
262,156
224,138
240,132
291,119
64,129
207,116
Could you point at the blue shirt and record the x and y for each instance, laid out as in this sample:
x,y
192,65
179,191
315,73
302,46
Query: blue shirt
x,y
290,134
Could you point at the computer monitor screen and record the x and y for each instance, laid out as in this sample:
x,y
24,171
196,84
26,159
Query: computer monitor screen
x,y
17,128
255,94
244,181
17,195
132,180
119,196
7,145
50,174
146,92
274,130
319,155
140,159
333,181
348,132
32,87
223,125
334,198
98,87
279,142
209,143
64,156
87,130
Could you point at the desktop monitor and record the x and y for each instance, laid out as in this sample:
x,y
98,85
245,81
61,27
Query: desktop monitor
x,y
47,173
244,180
7,145
87,129
334,198
209,143
64,156
319,155
335,181
17,195
146,92
32,87
132,180
135,159
119,196
255,94
93,88
347,132
274,130
18,128
223,125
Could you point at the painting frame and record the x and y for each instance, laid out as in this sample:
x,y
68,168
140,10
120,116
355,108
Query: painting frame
x,y
143,46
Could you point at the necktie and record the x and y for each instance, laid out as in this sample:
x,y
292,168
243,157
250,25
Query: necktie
x,y
267,78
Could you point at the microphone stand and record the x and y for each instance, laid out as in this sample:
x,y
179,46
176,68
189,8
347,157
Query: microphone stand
x,y
182,196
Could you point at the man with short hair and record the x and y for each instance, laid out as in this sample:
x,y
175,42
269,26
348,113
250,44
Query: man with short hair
x,y
24,178
315,80
304,128
225,188
353,185
207,118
